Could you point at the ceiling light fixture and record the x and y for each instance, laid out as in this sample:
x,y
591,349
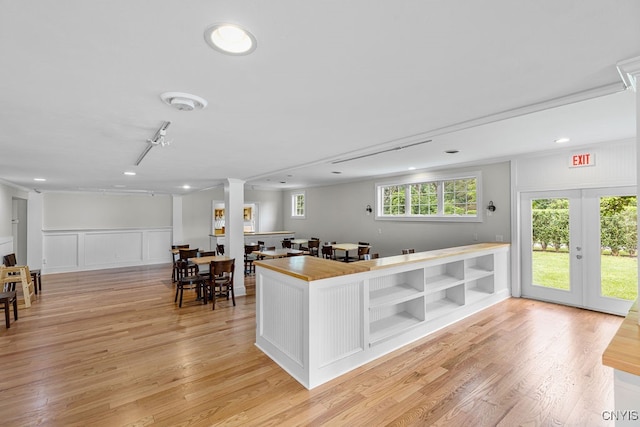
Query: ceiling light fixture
x,y
562,140
158,139
230,39
39,179
129,173
183,101
452,151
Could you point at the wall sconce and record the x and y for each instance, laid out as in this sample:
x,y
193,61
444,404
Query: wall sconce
x,y
491,207
368,209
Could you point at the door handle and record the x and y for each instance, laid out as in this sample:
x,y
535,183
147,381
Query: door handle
x,y
578,248
579,256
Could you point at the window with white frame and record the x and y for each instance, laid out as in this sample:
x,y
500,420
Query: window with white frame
x,y
439,198
298,205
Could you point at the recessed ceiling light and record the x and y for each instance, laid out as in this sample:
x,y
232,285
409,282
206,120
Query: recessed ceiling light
x,y
183,101
130,173
336,172
230,39
452,151
39,179
562,140
412,168
186,187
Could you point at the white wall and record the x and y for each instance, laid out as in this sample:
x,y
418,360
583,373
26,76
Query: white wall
x,y
88,231
105,211
615,165
337,213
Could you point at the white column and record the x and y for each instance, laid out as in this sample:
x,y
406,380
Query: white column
x,y
35,239
234,229
630,73
177,233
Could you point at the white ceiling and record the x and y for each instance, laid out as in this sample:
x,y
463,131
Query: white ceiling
x,y
81,81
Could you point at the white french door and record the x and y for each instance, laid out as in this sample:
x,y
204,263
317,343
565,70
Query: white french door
x,y
579,247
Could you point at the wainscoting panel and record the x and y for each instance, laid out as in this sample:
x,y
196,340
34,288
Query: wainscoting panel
x,y
112,247
81,250
60,251
157,243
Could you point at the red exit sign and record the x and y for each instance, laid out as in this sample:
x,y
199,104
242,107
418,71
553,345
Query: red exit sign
x,y
582,159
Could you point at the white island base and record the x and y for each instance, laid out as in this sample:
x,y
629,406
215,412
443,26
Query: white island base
x,y
319,319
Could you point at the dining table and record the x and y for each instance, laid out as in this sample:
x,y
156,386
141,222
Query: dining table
x,y
277,253
299,242
206,260
346,247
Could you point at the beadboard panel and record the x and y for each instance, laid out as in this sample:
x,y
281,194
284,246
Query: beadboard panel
x,y
340,310
286,330
81,250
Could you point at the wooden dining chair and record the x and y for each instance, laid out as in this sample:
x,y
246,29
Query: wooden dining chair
x,y
188,279
313,246
8,299
220,249
220,281
176,257
408,251
362,251
249,257
286,244
36,276
327,252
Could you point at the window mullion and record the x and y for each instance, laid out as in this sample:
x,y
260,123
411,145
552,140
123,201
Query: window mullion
x,y
407,200
440,189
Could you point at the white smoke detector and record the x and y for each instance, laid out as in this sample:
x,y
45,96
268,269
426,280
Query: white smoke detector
x,y
183,101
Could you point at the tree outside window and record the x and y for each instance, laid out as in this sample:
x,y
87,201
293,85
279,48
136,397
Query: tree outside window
x,y
447,198
298,205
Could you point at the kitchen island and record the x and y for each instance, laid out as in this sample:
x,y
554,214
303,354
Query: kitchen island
x,y
319,318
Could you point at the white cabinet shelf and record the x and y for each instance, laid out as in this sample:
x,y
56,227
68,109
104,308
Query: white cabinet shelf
x,y
438,283
439,308
476,273
391,326
393,295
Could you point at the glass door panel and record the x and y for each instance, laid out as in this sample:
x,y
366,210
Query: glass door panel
x,y
611,235
550,243
552,249
618,247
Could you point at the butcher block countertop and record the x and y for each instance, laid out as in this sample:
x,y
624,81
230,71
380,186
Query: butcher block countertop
x,y
623,352
311,268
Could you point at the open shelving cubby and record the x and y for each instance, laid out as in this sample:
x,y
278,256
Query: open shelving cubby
x,y
396,302
390,320
443,276
475,268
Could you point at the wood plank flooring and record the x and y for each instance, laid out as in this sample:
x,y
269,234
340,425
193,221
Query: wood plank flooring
x,y
110,348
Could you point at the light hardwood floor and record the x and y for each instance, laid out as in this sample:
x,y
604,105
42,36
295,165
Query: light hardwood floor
x,y
110,348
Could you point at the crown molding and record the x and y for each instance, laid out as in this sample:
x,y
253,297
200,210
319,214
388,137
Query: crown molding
x,y
629,71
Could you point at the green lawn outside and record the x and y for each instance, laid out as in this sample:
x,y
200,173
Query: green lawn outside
x,y
620,273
